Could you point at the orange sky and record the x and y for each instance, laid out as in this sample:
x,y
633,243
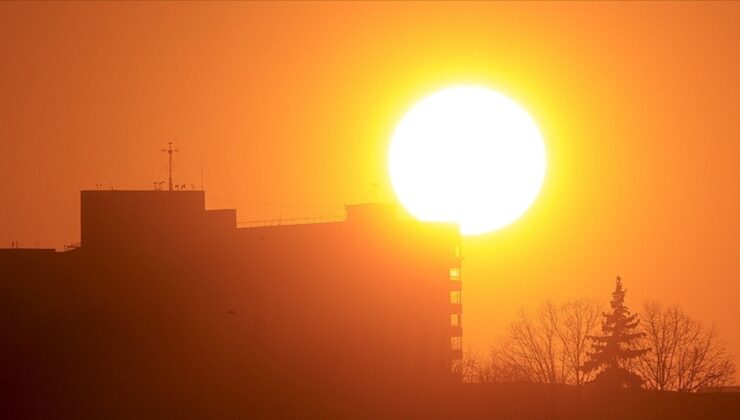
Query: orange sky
x,y
295,104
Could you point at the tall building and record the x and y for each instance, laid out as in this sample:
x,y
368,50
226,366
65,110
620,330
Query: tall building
x,y
168,308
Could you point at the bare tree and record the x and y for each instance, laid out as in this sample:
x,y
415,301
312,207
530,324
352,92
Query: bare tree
x,y
532,346
578,320
551,345
479,368
470,366
684,356
494,367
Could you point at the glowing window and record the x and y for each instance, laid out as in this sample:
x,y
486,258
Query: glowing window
x,y
455,296
456,343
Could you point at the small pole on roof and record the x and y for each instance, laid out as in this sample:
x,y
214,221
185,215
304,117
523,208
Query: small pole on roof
x,y
169,150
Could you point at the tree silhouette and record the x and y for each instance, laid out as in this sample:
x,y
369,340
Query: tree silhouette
x,y
685,355
547,346
619,344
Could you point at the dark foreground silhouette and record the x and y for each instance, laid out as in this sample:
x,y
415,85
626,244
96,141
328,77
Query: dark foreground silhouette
x,y
167,310
534,401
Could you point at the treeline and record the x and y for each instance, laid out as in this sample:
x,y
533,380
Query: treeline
x,y
578,343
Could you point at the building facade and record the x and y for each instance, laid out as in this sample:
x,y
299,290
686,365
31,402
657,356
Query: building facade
x,y
168,306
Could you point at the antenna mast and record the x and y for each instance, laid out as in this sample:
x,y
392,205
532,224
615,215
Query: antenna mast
x,y
170,151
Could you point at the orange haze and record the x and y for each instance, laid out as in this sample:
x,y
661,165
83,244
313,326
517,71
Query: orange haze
x,y
289,107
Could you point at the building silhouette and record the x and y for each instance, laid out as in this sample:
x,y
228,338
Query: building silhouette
x,y
168,309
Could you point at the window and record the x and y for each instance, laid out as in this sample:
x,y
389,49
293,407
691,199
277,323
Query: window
x,y
455,273
456,343
455,296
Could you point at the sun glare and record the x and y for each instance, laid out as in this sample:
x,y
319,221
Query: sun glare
x,y
467,155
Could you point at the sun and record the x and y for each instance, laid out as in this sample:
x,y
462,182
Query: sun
x,y
468,155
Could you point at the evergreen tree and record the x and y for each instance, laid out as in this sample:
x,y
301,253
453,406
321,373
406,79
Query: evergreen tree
x,y
618,344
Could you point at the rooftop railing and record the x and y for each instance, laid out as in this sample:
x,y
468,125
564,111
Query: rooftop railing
x,y
296,221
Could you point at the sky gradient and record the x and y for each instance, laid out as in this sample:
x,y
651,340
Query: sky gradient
x,y
287,109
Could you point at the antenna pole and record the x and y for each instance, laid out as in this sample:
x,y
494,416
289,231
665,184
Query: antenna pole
x,y
169,152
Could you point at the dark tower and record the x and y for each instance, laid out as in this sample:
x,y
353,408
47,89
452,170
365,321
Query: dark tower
x,y
170,151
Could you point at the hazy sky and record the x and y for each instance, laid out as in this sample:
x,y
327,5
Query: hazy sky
x,y
294,104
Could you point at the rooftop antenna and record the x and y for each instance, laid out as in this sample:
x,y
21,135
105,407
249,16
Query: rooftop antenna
x,y
170,151
202,175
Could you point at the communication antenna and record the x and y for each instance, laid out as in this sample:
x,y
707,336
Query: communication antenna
x,y
170,151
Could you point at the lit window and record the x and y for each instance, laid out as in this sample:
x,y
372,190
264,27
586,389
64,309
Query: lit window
x,y
455,273
456,343
455,296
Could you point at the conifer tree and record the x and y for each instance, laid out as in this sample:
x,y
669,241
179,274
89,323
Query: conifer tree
x,y
618,344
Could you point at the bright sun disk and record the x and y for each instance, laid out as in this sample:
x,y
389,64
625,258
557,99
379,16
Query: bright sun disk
x,y
467,155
